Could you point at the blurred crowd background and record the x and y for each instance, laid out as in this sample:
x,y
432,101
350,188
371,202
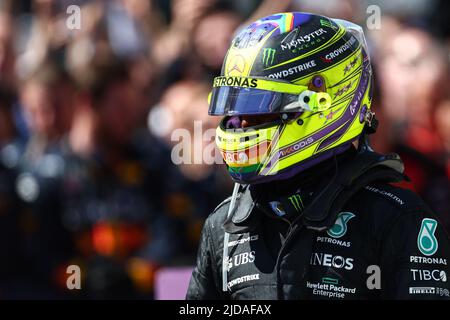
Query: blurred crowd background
x,y
86,118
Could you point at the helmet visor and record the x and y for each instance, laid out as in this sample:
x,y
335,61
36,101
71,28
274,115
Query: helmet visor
x,y
236,101
245,95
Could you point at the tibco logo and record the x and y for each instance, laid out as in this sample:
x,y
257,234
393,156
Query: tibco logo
x,y
427,275
328,260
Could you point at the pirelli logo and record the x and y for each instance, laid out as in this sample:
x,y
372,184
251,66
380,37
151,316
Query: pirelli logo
x,y
422,290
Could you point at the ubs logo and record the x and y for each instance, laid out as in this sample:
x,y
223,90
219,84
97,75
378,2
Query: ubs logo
x,y
241,259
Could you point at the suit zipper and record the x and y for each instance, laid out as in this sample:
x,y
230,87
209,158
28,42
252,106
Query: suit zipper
x,y
292,229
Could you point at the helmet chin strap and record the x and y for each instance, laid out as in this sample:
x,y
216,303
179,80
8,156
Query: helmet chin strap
x,y
364,144
369,128
226,239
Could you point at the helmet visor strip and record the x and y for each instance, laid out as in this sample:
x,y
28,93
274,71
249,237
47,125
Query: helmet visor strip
x,y
248,95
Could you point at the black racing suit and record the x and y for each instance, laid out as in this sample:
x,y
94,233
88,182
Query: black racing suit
x,y
358,237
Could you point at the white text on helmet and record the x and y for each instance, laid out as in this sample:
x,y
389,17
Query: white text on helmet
x,y
303,39
293,70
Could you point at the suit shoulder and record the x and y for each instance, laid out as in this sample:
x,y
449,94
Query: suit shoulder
x,y
219,214
386,194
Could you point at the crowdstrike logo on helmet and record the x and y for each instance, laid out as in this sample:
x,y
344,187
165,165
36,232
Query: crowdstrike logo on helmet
x,y
343,48
294,70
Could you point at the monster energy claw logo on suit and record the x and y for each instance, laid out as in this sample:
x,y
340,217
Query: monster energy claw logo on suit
x,y
296,201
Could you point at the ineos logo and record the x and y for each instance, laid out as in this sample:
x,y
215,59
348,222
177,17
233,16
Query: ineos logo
x,y
328,260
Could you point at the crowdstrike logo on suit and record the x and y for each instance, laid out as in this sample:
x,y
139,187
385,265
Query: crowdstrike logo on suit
x,y
250,277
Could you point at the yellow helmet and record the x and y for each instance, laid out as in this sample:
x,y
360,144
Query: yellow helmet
x,y
312,71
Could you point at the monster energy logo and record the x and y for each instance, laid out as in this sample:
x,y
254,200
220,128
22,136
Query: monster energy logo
x,y
426,240
296,201
268,56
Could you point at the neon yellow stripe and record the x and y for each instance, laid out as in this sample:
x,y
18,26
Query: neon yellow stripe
x,y
274,142
316,144
345,134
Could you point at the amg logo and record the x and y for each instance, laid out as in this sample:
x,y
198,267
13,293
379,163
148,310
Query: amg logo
x,y
243,240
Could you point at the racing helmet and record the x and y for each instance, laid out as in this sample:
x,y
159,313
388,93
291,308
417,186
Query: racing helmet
x,y
312,74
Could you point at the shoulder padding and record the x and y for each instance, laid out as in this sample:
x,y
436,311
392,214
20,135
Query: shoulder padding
x,y
222,204
219,214
403,199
